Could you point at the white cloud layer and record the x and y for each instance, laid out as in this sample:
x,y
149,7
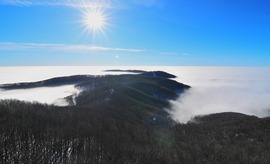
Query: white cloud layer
x,y
223,89
208,100
214,89
49,95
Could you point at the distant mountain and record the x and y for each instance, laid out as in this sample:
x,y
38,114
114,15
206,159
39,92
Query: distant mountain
x,y
127,71
158,74
145,73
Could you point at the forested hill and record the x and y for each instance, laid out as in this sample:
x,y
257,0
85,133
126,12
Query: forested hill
x,y
141,96
124,119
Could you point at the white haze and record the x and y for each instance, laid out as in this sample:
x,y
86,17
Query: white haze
x,y
224,89
49,95
214,89
207,100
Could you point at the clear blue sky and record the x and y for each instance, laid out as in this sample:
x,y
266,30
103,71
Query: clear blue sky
x,y
136,32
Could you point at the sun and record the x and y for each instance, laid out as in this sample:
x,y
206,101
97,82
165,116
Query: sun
x,y
94,20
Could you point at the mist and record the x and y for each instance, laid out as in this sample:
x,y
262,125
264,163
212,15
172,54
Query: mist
x,y
249,96
48,95
214,89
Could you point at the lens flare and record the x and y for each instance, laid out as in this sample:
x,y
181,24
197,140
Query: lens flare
x,y
94,20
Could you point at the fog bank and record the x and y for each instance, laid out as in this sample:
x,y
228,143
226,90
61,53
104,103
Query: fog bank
x,y
248,95
214,89
49,95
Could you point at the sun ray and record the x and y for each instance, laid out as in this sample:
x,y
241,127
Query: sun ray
x,y
94,19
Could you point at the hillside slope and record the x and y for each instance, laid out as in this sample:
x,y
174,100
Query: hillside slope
x,y
123,119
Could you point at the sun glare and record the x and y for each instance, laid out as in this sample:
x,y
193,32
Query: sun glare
x,y
94,20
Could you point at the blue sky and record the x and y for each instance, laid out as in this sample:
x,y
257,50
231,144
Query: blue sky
x,y
136,32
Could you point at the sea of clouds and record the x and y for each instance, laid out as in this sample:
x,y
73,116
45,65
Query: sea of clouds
x,y
224,89
214,89
48,95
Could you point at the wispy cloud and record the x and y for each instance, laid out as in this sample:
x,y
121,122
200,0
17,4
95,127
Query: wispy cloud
x,y
79,48
82,3
11,46
66,3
